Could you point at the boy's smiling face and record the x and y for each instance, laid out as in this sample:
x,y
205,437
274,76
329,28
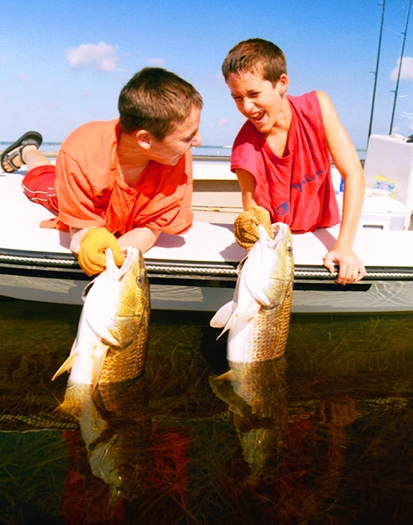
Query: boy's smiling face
x,y
259,100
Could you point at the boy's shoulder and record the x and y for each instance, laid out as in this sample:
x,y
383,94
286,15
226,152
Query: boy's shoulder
x,y
104,128
249,133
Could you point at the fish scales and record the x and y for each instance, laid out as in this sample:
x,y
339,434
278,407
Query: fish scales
x,y
127,363
266,335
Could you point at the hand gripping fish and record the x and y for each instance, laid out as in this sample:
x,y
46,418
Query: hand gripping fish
x,y
258,317
113,334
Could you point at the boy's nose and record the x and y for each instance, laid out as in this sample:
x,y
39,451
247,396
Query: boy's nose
x,y
197,140
247,105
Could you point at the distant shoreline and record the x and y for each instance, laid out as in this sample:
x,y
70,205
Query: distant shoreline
x,y
220,151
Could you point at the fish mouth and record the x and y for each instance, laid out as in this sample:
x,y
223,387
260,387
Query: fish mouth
x,y
279,228
130,257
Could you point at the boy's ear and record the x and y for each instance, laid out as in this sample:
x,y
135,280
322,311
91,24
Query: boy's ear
x,y
283,83
143,138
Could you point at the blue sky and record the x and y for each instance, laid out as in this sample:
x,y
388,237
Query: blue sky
x,y
63,63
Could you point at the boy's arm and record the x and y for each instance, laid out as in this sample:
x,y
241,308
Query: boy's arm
x,y
143,238
247,185
345,158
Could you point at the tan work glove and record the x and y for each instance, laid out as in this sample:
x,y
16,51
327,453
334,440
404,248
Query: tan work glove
x,y
246,226
93,245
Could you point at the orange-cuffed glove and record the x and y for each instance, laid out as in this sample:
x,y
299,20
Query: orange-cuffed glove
x,y
246,226
93,245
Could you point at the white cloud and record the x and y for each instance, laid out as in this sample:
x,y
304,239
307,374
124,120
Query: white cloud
x,y
220,124
156,62
21,77
406,72
101,56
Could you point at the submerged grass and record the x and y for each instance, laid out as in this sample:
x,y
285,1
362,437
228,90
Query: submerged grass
x,y
339,452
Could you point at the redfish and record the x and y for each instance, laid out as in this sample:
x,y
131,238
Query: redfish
x,y
258,317
113,334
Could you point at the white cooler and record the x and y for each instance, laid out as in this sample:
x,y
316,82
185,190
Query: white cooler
x,y
383,213
389,163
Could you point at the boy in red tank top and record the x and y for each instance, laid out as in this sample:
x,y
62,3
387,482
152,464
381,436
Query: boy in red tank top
x,y
281,155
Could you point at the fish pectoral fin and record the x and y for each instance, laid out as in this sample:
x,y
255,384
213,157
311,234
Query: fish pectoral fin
x,y
67,365
222,316
102,332
99,357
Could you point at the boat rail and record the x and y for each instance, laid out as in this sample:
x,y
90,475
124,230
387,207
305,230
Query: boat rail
x,y
37,261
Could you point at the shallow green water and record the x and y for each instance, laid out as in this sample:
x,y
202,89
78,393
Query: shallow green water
x,y
330,442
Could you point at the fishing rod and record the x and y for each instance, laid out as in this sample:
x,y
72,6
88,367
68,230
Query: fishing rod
x,y
383,5
400,67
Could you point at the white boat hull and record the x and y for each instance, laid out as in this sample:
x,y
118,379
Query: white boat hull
x,y
379,297
197,271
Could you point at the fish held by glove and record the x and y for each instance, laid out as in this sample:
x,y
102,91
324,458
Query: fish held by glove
x,y
92,253
258,317
113,334
246,226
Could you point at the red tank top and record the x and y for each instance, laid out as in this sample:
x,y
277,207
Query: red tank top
x,y
296,189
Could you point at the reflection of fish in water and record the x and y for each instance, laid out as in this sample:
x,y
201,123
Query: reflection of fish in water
x,y
113,334
116,428
258,317
256,395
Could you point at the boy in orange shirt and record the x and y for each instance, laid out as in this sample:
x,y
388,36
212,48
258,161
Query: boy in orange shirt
x,y
120,183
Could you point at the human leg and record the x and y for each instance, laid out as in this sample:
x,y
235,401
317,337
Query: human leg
x,y
39,186
24,151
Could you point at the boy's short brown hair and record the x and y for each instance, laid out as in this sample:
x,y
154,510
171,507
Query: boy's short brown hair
x,y
257,56
155,100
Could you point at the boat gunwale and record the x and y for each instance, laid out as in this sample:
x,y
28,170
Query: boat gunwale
x,y
58,262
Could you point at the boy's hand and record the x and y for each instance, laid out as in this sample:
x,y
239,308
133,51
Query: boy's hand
x,y
351,268
246,226
93,245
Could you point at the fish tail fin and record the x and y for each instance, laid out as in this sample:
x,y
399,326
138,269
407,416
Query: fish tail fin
x,y
67,365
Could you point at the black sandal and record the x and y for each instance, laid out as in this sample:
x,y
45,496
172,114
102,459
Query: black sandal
x,y
15,151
